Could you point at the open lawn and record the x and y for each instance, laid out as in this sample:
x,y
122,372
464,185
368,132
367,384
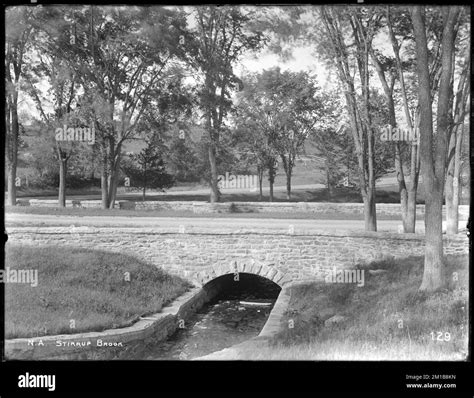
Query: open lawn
x,y
386,195
386,319
83,288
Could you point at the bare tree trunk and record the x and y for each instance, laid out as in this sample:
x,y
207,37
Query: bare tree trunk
x,y
114,159
13,128
114,177
271,179
62,182
113,188
104,183
370,222
407,194
449,188
371,217
433,275
402,189
260,182
62,159
212,161
410,220
109,174
212,126
452,190
104,190
433,157
452,185
11,200
456,181
452,218
328,180
288,184
359,119
144,183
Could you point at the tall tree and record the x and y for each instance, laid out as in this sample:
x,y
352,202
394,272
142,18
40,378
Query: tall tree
x,y
332,140
17,41
284,107
394,72
51,70
254,138
297,107
339,26
389,71
259,113
458,131
221,36
407,191
433,146
121,58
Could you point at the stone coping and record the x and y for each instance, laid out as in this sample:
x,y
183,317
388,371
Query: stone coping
x,y
43,346
273,324
204,203
299,230
205,206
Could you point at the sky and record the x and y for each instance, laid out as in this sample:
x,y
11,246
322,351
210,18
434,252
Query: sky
x,y
302,60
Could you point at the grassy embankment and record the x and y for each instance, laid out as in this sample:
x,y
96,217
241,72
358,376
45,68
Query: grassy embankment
x,y
86,286
386,319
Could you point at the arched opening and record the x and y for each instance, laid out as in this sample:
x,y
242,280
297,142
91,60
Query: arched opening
x,y
238,308
242,286
208,274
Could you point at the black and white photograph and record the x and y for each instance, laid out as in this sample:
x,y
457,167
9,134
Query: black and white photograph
x,y
237,183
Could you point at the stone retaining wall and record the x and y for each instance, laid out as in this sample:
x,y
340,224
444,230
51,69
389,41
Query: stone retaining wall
x,y
112,343
387,209
201,256
273,324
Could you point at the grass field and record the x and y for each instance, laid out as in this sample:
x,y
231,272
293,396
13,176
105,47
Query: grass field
x,y
386,319
88,287
386,195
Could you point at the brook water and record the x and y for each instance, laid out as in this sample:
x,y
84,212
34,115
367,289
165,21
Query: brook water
x,y
221,323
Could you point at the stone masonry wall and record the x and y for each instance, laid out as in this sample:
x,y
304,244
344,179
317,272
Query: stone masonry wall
x,y
203,256
387,209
